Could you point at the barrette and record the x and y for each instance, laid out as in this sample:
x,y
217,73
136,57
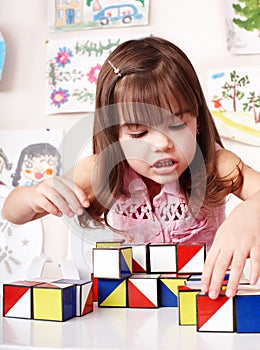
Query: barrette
x,y
116,70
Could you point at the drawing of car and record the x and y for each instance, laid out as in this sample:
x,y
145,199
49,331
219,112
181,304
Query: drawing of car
x,y
126,13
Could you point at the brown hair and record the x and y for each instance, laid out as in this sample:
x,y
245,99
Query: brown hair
x,y
149,72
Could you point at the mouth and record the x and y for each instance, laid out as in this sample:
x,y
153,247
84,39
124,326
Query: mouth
x,y
164,163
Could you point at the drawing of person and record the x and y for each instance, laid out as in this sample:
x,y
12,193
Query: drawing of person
x,y
37,162
217,104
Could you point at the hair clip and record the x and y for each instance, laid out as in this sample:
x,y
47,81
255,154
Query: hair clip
x,y
116,70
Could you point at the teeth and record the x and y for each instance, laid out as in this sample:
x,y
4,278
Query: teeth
x,y
163,163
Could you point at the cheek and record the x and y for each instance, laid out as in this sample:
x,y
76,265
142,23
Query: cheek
x,y
135,150
186,143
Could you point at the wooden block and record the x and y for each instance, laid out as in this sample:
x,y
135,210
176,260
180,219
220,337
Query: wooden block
x,y
54,301
112,293
110,243
187,305
112,262
191,258
140,258
215,315
247,303
94,287
17,299
84,295
168,289
143,291
162,258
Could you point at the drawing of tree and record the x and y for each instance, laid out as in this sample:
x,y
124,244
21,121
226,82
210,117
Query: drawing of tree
x,y
231,91
253,104
251,12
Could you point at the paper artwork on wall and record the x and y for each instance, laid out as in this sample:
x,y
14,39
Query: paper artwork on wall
x,y
242,22
234,100
2,54
87,14
35,156
72,67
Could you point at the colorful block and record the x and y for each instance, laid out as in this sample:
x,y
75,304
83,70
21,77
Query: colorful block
x,y
140,263
84,295
143,291
94,287
112,293
112,262
187,305
111,243
248,311
162,258
17,299
215,315
191,258
168,288
54,301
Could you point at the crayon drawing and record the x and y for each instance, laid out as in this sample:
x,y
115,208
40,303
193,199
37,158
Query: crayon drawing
x,y
242,22
72,67
234,100
86,14
36,156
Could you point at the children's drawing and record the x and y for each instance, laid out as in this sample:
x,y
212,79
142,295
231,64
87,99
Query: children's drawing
x,y
87,14
37,162
72,71
242,22
2,54
234,99
35,157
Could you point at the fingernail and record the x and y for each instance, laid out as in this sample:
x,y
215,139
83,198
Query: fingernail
x,y
80,211
204,288
213,294
230,292
86,204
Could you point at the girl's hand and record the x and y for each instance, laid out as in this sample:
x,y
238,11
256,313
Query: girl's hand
x,y
58,196
237,239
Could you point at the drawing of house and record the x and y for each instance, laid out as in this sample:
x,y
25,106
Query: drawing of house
x,y
68,12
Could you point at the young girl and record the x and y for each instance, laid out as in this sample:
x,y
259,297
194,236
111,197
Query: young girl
x,y
159,172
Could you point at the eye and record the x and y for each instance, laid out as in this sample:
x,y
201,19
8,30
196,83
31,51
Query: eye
x,y
138,135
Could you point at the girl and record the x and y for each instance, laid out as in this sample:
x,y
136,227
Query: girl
x,y
159,172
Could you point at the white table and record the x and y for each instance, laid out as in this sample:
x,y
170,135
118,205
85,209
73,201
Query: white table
x,y
118,328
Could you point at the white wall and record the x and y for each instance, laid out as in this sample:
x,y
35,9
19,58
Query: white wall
x,y
196,26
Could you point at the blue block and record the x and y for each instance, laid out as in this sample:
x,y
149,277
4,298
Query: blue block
x,y
248,313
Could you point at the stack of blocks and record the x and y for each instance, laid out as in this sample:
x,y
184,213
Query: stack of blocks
x,y
53,300
139,276
168,275
144,275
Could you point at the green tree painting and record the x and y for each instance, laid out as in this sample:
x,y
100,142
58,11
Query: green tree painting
x,y
249,12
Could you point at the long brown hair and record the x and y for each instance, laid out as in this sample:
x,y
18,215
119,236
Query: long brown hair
x,y
149,72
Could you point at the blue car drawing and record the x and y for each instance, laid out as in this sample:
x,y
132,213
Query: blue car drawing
x,y
126,13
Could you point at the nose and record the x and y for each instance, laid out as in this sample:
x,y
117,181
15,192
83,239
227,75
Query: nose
x,y
161,142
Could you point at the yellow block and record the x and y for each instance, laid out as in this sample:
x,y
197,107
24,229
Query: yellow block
x,y
187,308
127,254
47,304
117,298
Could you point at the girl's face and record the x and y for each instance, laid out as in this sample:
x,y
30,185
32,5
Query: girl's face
x,y
39,168
160,153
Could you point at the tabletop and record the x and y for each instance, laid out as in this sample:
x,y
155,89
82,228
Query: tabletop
x,y
118,328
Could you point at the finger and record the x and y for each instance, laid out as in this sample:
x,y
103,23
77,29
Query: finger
x,y
51,199
208,269
220,267
65,196
236,270
80,194
254,265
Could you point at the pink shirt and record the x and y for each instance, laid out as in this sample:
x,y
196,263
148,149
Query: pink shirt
x,y
165,220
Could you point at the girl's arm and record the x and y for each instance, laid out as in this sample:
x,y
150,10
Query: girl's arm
x,y
66,194
238,238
